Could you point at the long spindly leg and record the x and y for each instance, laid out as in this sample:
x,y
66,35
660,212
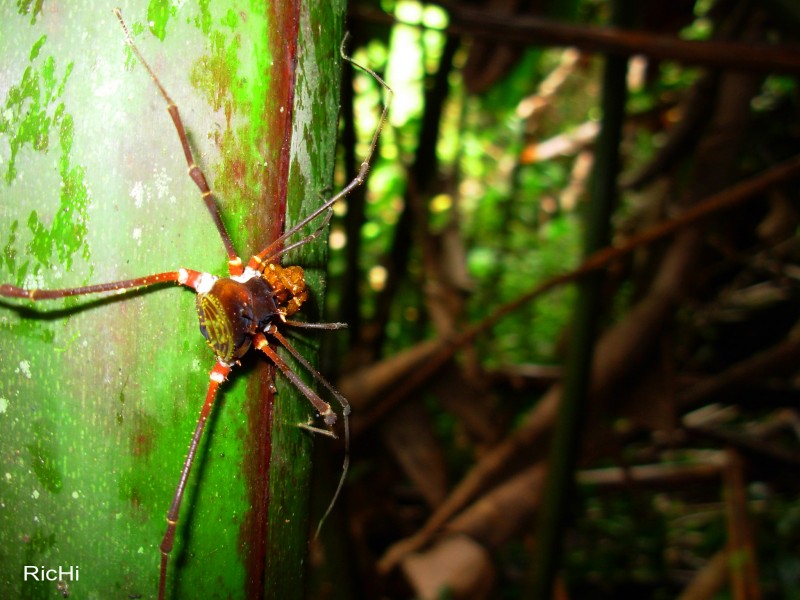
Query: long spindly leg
x,y
234,262
273,332
217,376
323,408
305,325
276,249
194,279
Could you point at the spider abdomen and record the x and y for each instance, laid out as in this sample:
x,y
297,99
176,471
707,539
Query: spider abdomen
x,y
231,312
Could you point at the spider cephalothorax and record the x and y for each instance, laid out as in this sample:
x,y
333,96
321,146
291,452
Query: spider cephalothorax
x,y
288,285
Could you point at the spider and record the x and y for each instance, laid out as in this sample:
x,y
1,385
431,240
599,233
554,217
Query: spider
x,y
246,309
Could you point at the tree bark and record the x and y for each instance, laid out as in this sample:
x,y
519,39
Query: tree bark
x,y
99,396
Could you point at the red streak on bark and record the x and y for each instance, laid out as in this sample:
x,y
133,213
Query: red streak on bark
x,y
283,20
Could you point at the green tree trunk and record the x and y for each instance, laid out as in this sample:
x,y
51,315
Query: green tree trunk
x,y
99,396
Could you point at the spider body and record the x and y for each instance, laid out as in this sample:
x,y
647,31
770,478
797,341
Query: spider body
x,y
234,309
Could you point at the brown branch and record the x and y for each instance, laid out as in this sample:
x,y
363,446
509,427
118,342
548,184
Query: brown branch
x,y
612,356
563,144
535,31
655,475
757,449
724,200
710,580
742,567
503,511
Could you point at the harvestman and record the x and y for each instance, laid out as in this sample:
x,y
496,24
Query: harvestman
x,y
239,311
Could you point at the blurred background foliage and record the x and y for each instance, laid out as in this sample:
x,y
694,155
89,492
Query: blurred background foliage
x,y
477,195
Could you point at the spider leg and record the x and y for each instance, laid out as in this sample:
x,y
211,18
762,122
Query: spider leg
x,y
323,408
304,325
256,262
309,426
219,373
273,331
186,277
234,262
275,250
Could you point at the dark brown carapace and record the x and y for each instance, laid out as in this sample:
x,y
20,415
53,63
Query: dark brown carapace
x,y
240,311
234,309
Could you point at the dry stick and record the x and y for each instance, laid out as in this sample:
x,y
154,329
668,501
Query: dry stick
x,y
743,569
612,41
657,475
534,31
494,517
709,580
729,198
609,40
548,406
747,444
